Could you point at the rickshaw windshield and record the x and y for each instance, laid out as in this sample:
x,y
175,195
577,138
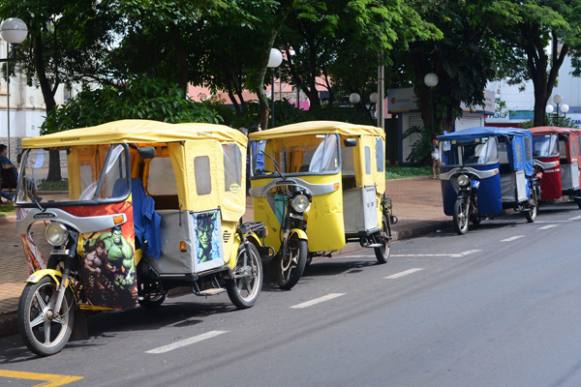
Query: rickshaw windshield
x,y
96,173
304,155
545,145
481,151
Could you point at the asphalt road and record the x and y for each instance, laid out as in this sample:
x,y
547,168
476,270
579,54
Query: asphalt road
x,y
497,307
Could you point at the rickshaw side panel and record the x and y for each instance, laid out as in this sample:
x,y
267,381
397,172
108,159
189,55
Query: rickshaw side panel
x,y
489,196
116,249
551,184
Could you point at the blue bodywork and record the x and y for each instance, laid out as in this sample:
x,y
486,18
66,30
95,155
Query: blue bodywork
x,y
489,190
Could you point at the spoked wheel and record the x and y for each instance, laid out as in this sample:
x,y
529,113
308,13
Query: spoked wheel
x,y
382,253
244,288
532,212
461,216
44,330
289,269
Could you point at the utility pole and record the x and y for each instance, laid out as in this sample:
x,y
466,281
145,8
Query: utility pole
x,y
380,93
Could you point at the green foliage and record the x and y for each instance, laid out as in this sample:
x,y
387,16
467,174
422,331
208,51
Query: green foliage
x,y
286,113
560,122
421,149
401,172
140,99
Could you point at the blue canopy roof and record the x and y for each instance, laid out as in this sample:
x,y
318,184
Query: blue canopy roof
x,y
485,131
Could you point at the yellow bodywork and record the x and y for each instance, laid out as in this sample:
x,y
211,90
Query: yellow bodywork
x,y
40,274
325,222
182,144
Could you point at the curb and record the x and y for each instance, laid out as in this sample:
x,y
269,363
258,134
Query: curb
x,y
420,231
8,324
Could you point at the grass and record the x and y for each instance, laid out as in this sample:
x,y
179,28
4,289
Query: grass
x,y
401,172
6,209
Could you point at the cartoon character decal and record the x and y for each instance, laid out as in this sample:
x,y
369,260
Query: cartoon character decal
x,y
207,242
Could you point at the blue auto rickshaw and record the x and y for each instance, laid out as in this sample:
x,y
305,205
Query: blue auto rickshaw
x,y
485,171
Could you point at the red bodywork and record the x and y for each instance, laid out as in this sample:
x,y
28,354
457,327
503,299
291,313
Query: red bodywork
x,y
551,181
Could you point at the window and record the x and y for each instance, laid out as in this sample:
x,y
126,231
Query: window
x,y
161,180
563,148
367,160
202,172
232,167
545,145
379,154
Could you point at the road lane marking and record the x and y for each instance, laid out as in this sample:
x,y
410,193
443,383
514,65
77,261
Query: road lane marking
x,y
316,301
512,238
551,221
185,342
578,217
51,380
404,273
420,255
548,226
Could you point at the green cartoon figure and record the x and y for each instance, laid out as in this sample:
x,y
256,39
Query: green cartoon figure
x,y
119,255
205,236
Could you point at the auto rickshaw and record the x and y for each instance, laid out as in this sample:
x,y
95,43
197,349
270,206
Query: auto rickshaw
x,y
556,152
114,216
486,170
317,186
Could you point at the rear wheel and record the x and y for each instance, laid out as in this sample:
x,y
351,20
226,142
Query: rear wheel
x,y
289,269
152,300
532,212
244,288
382,253
461,216
44,330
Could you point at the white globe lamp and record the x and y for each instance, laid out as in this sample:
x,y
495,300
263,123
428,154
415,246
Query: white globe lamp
x,y
557,99
431,80
275,58
564,108
549,109
13,30
373,97
354,98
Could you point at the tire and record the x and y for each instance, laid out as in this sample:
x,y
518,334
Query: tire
x,y
244,291
531,214
578,202
288,273
152,301
382,253
461,216
32,299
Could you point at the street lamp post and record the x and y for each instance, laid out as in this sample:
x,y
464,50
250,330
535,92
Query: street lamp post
x,y
14,31
555,112
431,80
274,61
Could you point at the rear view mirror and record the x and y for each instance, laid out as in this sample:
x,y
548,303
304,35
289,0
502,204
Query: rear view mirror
x,y
349,142
146,152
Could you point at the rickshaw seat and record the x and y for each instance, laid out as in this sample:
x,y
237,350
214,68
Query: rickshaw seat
x,y
146,220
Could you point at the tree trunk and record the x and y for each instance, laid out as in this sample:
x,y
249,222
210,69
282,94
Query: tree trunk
x,y
48,92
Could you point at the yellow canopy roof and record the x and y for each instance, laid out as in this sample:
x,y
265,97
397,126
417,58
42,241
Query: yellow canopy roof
x,y
318,127
136,131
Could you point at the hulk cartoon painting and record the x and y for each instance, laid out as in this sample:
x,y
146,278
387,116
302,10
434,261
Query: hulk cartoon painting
x,y
109,262
207,237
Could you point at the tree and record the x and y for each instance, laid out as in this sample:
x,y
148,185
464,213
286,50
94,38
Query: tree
x,y
62,35
141,98
334,38
465,59
541,33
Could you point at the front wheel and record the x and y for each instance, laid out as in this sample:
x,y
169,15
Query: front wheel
x,y
289,269
44,330
244,288
461,216
382,253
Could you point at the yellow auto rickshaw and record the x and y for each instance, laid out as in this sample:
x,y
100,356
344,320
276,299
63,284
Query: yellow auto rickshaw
x,y
115,215
317,186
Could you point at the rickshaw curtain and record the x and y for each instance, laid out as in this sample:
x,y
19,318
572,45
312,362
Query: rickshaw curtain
x,y
522,155
325,156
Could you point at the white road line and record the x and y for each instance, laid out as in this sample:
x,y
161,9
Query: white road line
x,y
185,342
404,273
551,221
512,238
548,226
578,217
419,255
316,301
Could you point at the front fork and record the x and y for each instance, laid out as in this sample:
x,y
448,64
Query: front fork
x,y
70,255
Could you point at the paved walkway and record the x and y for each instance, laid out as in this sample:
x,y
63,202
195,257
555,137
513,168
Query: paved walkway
x,y
416,202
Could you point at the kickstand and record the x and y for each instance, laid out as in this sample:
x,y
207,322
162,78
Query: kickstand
x,y
81,327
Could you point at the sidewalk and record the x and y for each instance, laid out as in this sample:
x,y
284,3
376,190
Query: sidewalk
x,y
416,202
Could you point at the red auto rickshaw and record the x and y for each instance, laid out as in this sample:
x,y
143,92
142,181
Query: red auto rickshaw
x,y
556,152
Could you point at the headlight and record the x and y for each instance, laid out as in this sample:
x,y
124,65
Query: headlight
x,y
300,203
56,234
463,180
